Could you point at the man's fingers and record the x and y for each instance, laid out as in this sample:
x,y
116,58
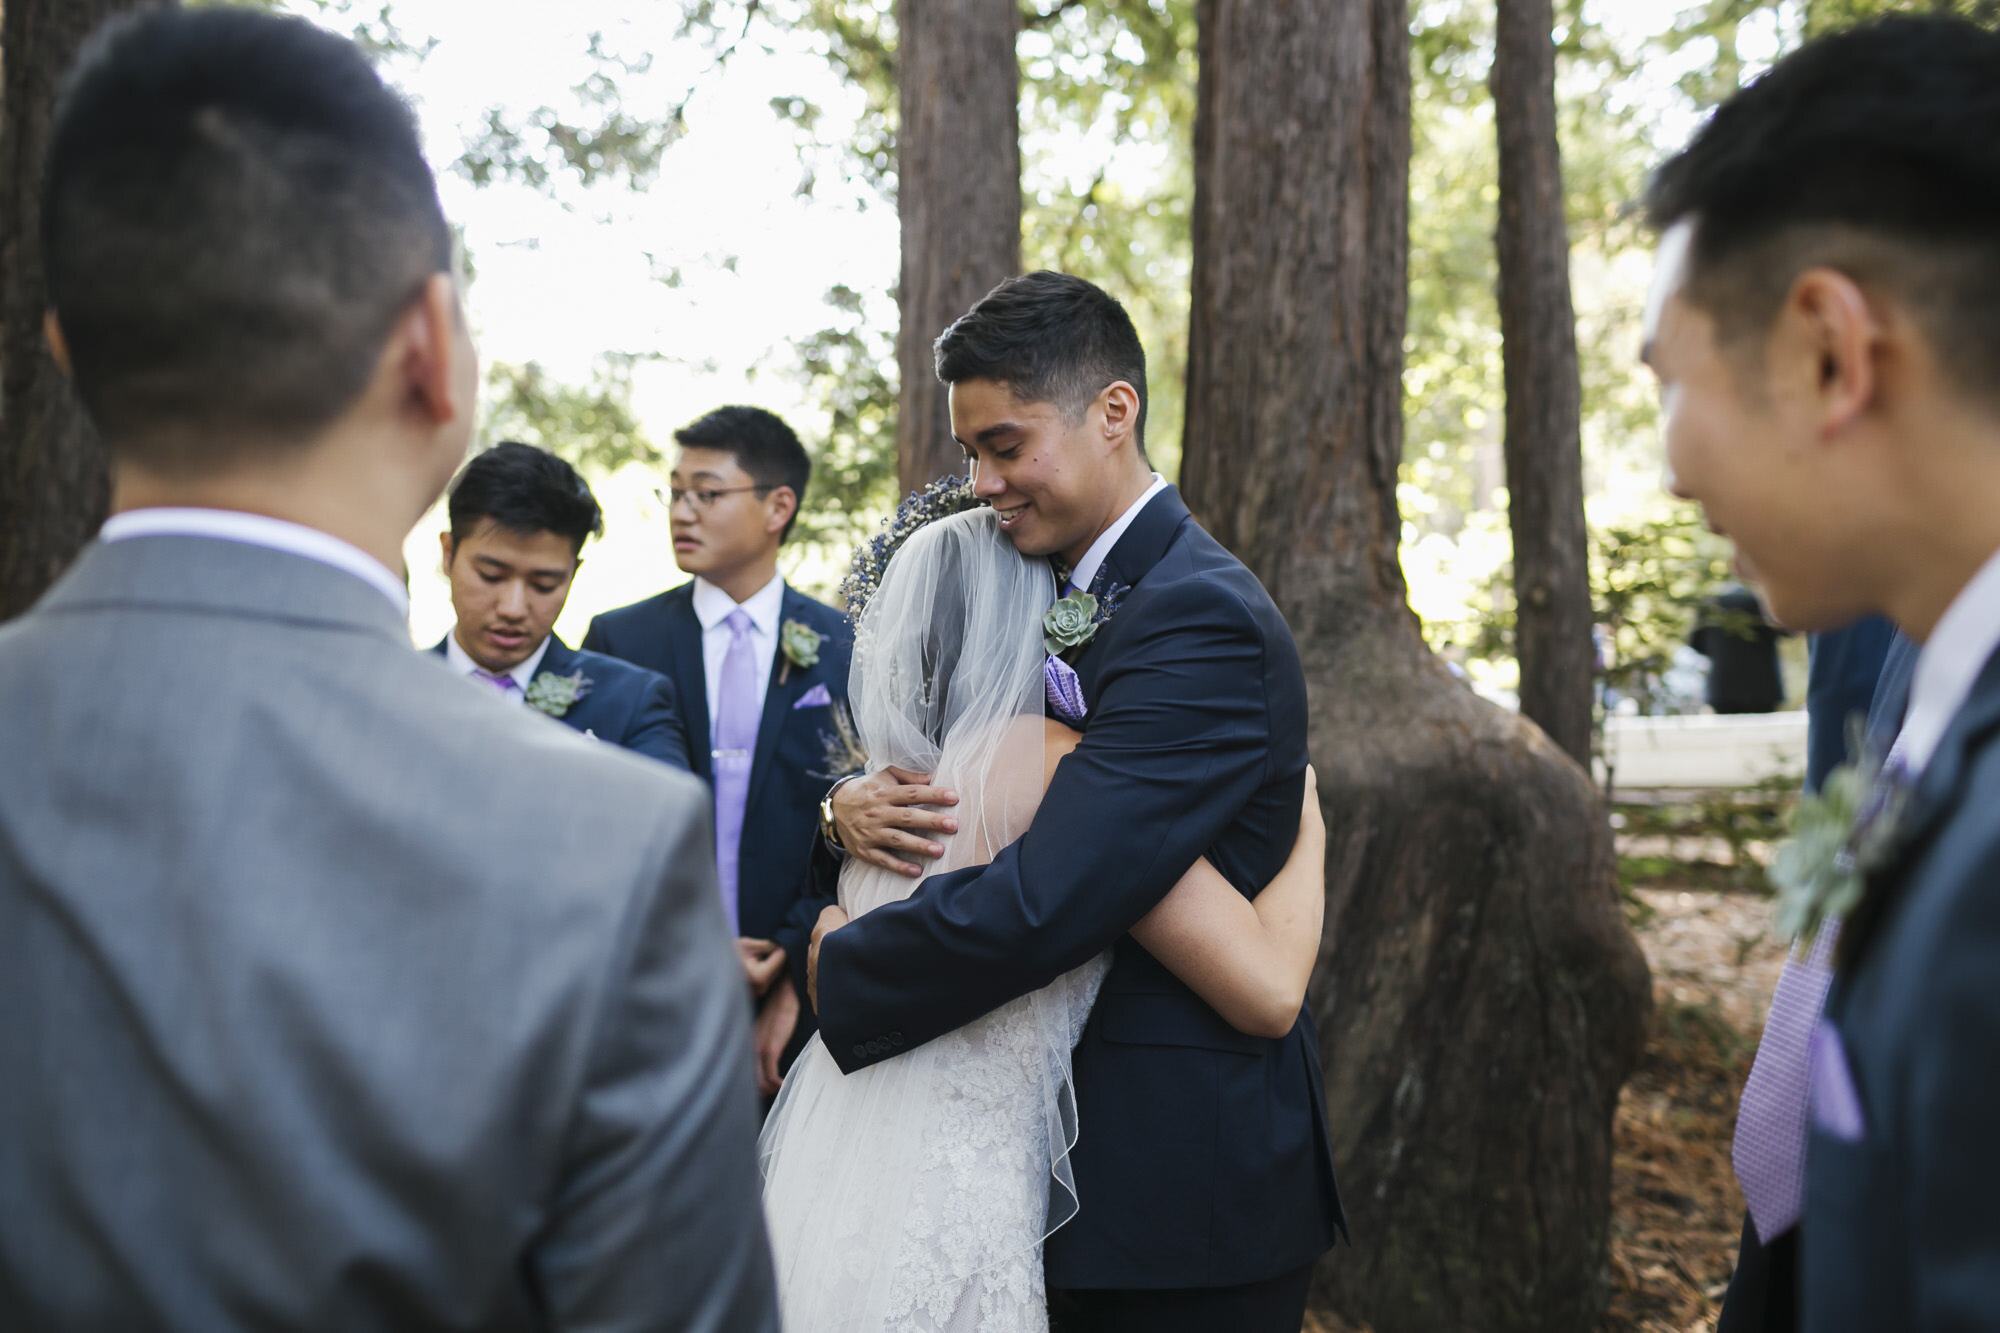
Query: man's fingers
x,y
887,862
920,795
907,776
916,817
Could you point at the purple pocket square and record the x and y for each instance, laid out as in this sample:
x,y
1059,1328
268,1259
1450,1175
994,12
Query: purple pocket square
x,y
1065,692
815,697
1836,1105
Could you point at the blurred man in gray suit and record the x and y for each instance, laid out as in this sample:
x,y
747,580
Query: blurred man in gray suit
x,y
333,994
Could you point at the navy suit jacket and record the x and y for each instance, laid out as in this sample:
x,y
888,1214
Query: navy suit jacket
x,y
788,774
626,705
1901,1226
1202,1158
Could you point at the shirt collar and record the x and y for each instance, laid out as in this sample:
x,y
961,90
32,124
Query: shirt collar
x,y
274,534
461,661
1086,568
712,605
1949,666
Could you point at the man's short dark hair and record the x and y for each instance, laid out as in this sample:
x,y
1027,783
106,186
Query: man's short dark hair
x,y
526,491
764,446
236,211
1875,151
1050,338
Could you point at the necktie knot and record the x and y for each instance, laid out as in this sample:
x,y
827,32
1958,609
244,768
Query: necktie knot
x,y
501,682
739,623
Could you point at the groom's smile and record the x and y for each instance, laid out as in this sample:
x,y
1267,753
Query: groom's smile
x,y
1054,482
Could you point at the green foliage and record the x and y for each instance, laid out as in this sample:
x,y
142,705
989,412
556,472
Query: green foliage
x,y
1647,577
371,27
1112,83
1452,383
852,369
590,425
609,144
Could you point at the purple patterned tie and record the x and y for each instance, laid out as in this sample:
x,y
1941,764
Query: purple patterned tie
x,y
735,734
502,683
1770,1149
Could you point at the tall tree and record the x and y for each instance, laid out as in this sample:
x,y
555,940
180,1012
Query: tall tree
x,y
55,478
1480,998
1543,443
958,193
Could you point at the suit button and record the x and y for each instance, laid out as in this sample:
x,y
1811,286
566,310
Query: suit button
x,y
896,1039
861,1052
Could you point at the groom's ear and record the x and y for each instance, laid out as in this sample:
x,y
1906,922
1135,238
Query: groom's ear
x,y
1120,405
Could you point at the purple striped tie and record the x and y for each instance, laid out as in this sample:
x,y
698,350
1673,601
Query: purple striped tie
x,y
735,736
1770,1148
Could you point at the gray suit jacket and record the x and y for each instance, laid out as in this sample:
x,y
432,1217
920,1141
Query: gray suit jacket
x,y
335,995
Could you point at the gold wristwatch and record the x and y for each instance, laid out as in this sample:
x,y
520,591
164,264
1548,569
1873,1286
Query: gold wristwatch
x,y
827,828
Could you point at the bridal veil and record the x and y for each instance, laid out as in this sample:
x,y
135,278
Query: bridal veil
x,y
915,1193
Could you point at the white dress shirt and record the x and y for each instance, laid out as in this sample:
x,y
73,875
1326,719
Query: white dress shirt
x,y
461,662
1086,568
712,607
1957,651
273,534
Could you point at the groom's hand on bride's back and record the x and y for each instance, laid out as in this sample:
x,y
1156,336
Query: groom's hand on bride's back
x,y
880,819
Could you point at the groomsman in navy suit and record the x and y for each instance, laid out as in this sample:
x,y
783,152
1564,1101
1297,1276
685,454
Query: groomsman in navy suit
x,y
759,668
1823,328
519,518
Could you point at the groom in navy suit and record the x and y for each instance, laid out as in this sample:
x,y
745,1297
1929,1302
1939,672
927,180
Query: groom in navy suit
x,y
760,668
1203,1165
519,518
1824,329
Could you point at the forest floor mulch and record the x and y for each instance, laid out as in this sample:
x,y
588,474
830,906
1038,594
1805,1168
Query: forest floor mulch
x,y
1676,1211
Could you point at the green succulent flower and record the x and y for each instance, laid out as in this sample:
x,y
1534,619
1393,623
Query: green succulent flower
x,y
1839,834
1070,623
800,643
556,695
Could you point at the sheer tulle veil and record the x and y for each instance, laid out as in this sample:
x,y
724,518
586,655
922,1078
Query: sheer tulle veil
x,y
946,679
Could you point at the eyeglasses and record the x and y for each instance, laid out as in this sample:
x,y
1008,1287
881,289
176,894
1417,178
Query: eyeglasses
x,y
701,499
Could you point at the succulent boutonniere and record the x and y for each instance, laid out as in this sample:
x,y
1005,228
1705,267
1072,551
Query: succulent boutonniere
x,y
1070,623
556,695
1074,620
800,645
1840,834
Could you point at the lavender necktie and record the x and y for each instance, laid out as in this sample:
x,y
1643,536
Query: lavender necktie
x,y
1770,1148
735,734
502,683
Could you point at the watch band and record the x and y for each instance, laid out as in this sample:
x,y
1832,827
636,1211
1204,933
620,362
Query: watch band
x,y
827,829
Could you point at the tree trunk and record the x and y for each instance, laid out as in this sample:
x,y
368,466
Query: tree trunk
x,y
958,194
1480,998
55,478
1544,439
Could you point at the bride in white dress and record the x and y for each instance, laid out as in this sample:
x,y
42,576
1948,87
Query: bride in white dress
x,y
914,1194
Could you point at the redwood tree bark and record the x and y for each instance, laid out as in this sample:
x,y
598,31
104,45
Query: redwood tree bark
x,y
1479,996
1544,433
958,195
55,479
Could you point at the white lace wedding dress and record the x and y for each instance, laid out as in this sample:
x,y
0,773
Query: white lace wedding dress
x,y
913,1196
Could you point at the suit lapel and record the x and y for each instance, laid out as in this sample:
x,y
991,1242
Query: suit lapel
x,y
778,699
1938,792
557,658
684,644
1130,559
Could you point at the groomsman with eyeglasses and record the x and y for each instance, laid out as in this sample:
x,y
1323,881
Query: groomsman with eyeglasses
x,y
759,669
